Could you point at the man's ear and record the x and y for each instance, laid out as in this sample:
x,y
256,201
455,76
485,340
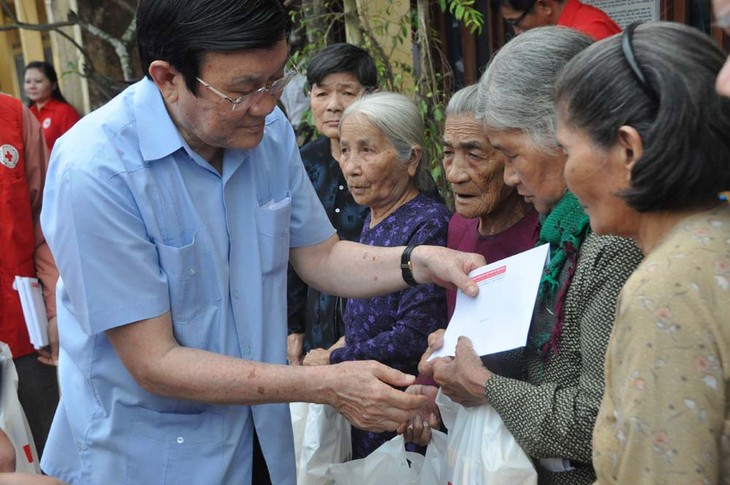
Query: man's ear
x,y
167,79
631,147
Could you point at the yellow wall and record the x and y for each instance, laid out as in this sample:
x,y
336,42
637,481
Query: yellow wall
x,y
389,14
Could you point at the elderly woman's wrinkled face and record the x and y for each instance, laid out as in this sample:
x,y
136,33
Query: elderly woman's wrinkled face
x,y
722,14
473,167
375,176
596,176
329,99
536,174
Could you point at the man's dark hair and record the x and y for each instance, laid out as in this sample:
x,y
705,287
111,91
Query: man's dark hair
x,y
683,122
343,57
182,32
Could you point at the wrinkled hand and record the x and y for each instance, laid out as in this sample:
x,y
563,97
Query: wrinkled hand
x,y
446,267
338,345
462,378
364,395
435,342
418,428
295,348
49,354
317,357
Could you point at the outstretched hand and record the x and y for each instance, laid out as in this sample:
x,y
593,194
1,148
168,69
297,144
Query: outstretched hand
x,y
446,267
435,342
364,395
463,377
418,428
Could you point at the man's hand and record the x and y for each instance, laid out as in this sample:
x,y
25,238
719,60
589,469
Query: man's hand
x,y
462,378
418,428
363,394
295,348
49,354
446,267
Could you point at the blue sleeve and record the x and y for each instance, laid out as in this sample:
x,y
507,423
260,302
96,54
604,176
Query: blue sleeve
x,y
109,266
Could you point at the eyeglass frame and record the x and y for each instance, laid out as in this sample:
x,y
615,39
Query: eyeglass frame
x,y
278,84
516,22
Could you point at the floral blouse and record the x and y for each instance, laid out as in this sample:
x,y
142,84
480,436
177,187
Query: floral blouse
x,y
664,415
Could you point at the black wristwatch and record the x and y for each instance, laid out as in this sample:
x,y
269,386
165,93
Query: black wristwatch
x,y
406,268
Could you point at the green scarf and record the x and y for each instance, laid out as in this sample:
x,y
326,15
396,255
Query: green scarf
x,y
565,229
566,224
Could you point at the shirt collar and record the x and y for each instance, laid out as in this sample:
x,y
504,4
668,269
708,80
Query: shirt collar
x,y
158,135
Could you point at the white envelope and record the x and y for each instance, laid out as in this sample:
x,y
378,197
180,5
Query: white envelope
x,y
498,318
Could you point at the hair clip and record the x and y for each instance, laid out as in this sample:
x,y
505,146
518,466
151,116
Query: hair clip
x,y
628,48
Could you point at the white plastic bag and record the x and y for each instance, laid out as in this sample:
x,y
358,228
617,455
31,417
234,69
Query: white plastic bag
x,y
326,441
480,450
435,460
12,417
298,411
389,463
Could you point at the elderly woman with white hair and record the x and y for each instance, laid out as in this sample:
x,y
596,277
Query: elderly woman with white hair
x,y
386,168
552,408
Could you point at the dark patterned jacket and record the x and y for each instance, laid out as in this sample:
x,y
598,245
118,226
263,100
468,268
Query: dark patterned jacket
x,y
552,410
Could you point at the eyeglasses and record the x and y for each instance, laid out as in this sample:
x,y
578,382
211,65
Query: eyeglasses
x,y
274,88
516,22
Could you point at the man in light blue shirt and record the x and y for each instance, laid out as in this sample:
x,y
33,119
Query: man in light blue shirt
x,y
172,212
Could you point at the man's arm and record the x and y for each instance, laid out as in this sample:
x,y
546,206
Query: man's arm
x,y
354,270
361,391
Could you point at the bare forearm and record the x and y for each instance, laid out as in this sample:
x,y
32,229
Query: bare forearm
x,y
193,374
354,270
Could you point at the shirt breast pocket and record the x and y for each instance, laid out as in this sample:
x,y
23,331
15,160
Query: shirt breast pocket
x,y
191,276
272,224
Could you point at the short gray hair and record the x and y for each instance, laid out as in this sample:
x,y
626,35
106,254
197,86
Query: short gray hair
x,y
516,91
464,101
397,117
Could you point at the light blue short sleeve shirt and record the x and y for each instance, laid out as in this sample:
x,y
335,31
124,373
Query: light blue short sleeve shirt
x,y
141,225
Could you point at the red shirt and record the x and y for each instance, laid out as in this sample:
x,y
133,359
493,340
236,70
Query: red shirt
x,y
56,118
464,236
587,19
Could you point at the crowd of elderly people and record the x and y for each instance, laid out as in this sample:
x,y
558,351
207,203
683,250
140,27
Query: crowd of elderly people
x,y
614,153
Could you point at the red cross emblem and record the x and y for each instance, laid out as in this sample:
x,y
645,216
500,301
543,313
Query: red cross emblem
x,y
9,156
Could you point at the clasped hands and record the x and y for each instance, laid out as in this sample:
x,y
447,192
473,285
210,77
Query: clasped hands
x,y
462,378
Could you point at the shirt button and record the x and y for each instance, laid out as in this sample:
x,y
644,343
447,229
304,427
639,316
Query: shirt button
x,y
337,210
342,187
247,349
191,271
180,440
236,294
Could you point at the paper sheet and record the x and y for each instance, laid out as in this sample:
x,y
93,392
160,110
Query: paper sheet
x,y
34,309
498,318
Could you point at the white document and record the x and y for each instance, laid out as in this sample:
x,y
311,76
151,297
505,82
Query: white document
x,y
34,309
498,318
